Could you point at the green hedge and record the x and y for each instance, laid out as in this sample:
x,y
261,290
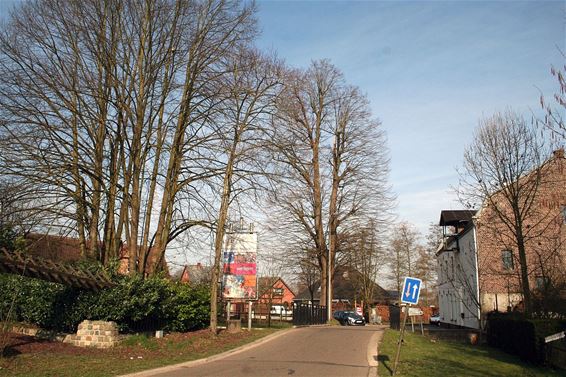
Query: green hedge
x,y
136,304
522,337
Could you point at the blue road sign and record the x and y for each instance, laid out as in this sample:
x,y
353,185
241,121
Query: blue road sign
x,y
411,291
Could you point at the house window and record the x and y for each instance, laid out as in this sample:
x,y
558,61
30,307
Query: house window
x,y
541,283
277,292
563,213
507,259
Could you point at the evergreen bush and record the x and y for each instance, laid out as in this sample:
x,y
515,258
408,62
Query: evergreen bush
x,y
520,336
135,304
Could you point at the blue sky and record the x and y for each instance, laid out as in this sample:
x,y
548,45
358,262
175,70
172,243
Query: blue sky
x,y
431,70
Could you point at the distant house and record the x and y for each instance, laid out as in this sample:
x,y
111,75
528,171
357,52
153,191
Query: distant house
x,y
194,274
67,249
56,248
478,262
274,295
346,290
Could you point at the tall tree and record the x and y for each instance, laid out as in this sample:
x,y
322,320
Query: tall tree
x,y
502,172
250,88
299,139
366,257
333,159
404,248
104,104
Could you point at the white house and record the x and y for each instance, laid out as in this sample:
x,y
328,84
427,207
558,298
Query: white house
x,y
458,287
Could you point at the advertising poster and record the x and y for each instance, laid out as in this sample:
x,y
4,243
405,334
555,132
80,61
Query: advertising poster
x,y
240,266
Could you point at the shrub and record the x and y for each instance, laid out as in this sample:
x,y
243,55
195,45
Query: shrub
x,y
523,337
135,304
30,300
189,308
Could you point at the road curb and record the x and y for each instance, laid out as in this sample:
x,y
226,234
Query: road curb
x,y
373,350
192,363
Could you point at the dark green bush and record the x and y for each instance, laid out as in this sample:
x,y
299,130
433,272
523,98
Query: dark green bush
x,y
30,300
188,308
522,337
135,304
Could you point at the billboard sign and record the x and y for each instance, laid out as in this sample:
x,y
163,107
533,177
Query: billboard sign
x,y
240,266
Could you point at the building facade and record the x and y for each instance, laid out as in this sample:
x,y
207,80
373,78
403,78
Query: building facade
x,y
458,276
478,262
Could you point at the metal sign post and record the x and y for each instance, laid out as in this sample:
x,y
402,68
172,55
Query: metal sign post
x,y
400,342
409,296
249,315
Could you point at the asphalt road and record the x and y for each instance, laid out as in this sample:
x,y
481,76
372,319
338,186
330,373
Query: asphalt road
x,y
309,351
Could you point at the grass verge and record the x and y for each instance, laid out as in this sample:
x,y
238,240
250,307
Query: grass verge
x,y
421,356
135,353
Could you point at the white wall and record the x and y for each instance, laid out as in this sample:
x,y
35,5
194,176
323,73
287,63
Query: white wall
x,y
457,278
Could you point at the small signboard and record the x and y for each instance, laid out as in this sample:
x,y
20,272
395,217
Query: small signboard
x,y
557,336
415,311
411,291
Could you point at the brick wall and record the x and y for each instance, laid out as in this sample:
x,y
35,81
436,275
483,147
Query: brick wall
x,y
383,312
545,236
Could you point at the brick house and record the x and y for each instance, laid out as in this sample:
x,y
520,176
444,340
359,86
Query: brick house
x,y
478,261
274,295
194,274
67,249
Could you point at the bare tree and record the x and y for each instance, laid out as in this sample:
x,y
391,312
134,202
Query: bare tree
x,y
308,275
425,265
554,120
359,191
251,85
299,139
333,160
366,257
106,108
502,172
404,247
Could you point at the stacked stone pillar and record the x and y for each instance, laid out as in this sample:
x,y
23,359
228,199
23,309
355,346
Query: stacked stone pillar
x,y
98,334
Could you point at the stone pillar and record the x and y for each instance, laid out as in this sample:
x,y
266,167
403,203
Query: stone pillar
x,y
97,334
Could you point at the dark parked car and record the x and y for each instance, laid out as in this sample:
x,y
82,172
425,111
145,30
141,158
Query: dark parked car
x,y
337,314
349,318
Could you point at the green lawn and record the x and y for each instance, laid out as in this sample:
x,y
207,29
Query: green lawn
x,y
421,356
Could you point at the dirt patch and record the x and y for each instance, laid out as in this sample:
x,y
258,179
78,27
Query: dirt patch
x,y
18,344
31,356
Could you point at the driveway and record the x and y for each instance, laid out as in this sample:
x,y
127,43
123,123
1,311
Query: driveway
x,y
309,351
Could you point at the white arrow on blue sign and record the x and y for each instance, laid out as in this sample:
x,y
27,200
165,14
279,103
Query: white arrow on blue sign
x,y
411,291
